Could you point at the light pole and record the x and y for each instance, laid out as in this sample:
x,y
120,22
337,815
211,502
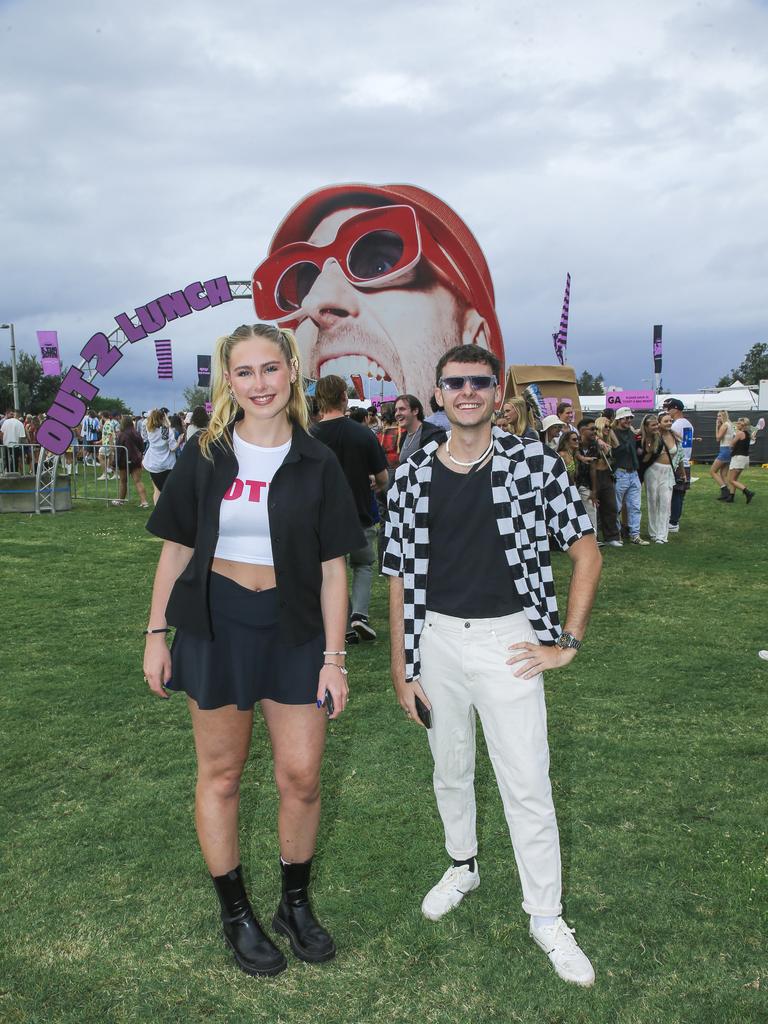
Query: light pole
x,y
14,376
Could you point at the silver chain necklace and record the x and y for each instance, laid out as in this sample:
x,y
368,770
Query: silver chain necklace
x,y
476,462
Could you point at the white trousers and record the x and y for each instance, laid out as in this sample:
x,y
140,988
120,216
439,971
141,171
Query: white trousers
x,y
659,480
463,671
584,494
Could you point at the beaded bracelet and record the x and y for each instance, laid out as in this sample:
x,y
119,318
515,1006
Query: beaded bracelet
x,y
339,654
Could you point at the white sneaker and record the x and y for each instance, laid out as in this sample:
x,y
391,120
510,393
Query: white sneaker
x,y
568,959
615,544
639,540
674,528
450,891
102,477
763,655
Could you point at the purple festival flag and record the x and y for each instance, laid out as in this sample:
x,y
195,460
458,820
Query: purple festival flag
x,y
657,357
560,337
164,360
49,353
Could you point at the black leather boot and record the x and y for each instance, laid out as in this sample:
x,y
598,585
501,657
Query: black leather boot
x,y
730,499
254,952
295,919
748,495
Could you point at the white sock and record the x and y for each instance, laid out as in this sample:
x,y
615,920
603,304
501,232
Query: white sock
x,y
543,922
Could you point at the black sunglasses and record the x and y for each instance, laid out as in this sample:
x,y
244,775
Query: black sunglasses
x,y
475,382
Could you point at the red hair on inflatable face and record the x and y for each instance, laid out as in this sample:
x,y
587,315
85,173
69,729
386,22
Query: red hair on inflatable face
x,y
471,277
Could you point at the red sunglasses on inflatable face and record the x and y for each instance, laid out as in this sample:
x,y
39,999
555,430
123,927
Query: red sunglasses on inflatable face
x,y
374,249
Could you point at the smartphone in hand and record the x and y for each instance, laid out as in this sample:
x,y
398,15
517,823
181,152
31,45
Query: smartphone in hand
x,y
424,713
328,702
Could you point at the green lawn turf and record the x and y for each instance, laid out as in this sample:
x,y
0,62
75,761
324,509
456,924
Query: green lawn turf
x,y
659,772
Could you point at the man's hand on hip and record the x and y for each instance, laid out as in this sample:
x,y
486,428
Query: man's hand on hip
x,y
535,658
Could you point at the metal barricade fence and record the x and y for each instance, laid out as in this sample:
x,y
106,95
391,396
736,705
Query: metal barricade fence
x,y
18,459
94,471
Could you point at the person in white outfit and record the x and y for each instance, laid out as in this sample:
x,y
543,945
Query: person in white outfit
x,y
660,454
474,624
160,457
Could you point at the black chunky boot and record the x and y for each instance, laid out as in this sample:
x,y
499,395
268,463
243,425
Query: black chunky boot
x,y
295,919
254,952
724,492
730,499
748,495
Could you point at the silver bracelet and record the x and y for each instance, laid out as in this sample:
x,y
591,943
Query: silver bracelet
x,y
339,654
334,665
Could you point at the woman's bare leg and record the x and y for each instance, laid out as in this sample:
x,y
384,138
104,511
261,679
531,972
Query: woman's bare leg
x,y
297,733
139,485
222,740
716,471
733,481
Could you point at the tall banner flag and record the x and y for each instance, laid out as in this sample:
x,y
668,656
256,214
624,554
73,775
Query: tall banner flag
x,y
164,360
357,380
560,337
657,357
203,371
49,353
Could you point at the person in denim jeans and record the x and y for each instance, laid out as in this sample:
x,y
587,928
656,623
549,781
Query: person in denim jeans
x,y
626,467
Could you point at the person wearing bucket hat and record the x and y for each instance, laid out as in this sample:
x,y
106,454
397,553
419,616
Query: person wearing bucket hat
x,y
626,466
379,280
551,429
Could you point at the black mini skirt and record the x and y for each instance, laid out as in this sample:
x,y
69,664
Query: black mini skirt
x,y
246,661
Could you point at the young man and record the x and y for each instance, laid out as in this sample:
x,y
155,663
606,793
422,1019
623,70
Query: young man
x,y
565,414
587,458
361,458
409,415
626,466
12,435
91,432
683,428
474,623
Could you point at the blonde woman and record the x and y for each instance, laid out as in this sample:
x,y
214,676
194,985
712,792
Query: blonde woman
x,y
160,456
724,431
659,455
742,437
518,418
257,519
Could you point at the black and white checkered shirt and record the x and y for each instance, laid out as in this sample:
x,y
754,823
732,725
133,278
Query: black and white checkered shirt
x,y
531,494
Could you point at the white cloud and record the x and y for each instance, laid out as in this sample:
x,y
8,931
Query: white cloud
x,y
388,89
149,147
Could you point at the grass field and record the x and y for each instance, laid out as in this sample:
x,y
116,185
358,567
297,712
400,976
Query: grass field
x,y
658,737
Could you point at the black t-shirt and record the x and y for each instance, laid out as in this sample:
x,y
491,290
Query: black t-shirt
x,y
468,574
360,455
584,469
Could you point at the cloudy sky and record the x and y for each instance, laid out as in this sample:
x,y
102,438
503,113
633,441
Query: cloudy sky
x,y
153,144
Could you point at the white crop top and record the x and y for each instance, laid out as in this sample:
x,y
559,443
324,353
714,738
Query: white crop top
x,y
243,520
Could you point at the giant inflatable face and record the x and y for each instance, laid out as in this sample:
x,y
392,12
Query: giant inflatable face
x,y
380,281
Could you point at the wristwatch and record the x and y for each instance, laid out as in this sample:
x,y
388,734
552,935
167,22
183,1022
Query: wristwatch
x,y
567,641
